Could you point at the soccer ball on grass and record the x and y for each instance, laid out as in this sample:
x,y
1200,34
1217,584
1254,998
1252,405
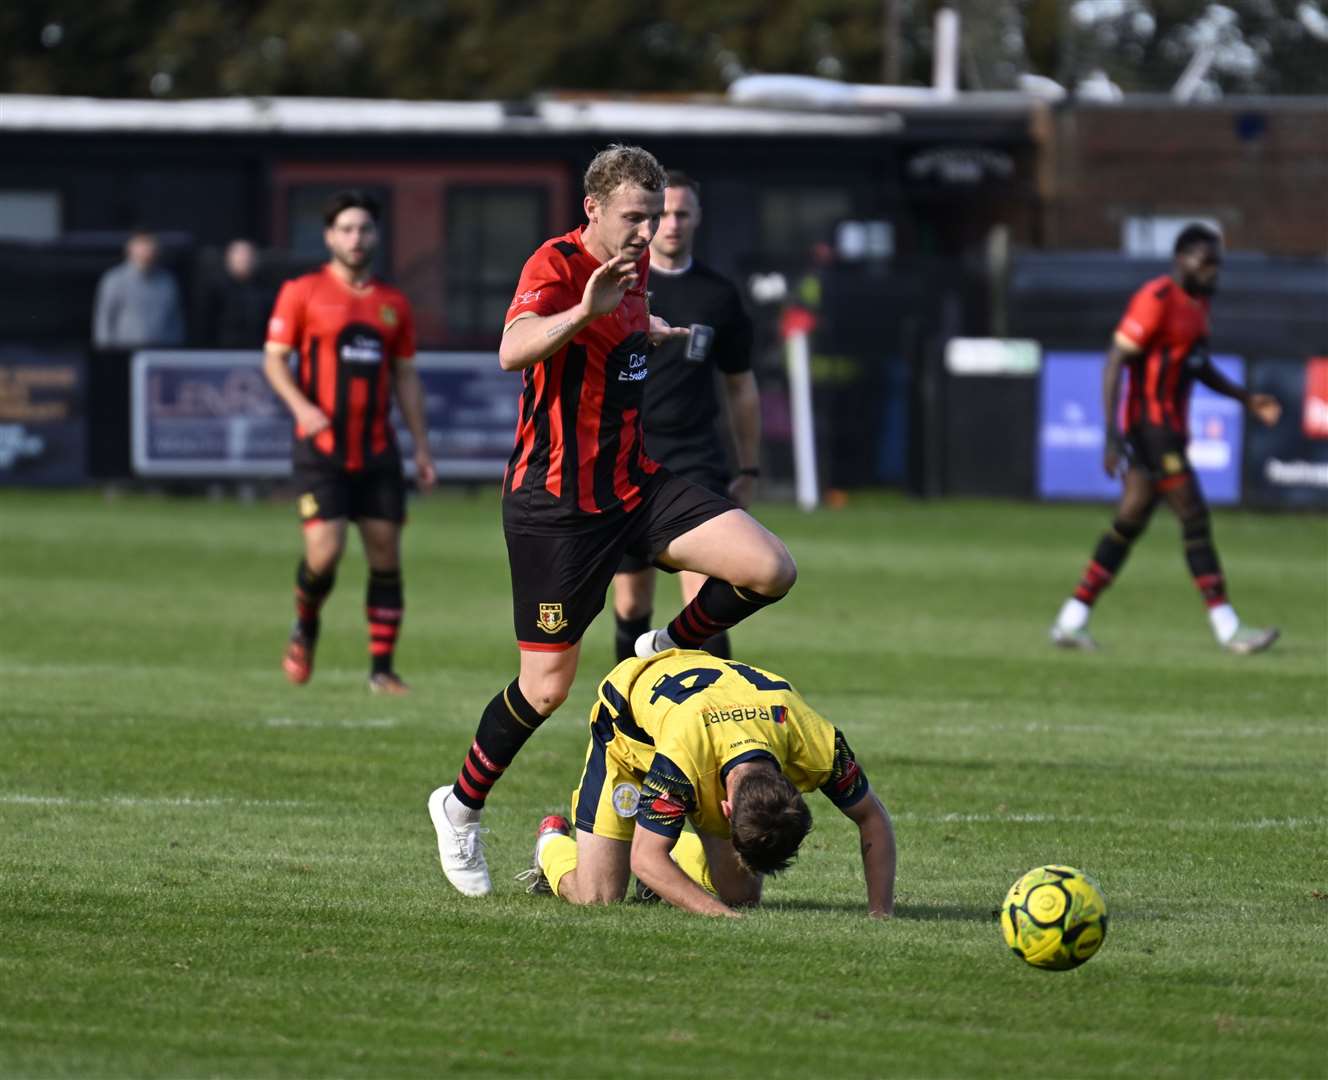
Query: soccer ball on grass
x,y
1054,917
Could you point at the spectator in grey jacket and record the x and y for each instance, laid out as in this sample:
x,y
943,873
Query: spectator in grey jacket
x,y
138,302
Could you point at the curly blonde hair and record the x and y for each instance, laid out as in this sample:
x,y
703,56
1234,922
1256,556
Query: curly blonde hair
x,y
617,165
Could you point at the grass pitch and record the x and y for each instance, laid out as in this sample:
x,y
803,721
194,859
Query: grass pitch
x,y
206,872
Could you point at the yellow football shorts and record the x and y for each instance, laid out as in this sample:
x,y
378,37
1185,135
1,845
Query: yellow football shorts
x,y
605,801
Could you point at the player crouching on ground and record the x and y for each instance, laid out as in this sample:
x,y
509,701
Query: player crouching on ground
x,y
683,735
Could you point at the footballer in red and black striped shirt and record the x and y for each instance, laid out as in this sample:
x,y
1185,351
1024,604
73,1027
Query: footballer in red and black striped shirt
x,y
354,339
579,454
1162,343
580,491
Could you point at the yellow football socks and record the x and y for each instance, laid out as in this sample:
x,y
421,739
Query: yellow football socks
x,y
690,857
557,858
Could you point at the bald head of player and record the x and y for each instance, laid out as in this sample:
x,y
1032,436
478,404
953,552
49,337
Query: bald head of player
x,y
624,202
1197,260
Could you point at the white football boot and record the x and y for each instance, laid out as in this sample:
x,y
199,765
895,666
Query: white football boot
x,y
652,642
460,848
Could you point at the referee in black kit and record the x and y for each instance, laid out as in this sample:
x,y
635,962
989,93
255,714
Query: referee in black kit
x,y
680,410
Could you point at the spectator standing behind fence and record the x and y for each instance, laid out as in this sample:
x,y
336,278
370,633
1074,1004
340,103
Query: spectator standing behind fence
x,y
138,302
237,305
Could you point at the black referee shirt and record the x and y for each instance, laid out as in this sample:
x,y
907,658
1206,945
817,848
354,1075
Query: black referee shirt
x,y
680,398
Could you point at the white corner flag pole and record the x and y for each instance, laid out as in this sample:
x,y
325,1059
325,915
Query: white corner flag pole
x,y
798,357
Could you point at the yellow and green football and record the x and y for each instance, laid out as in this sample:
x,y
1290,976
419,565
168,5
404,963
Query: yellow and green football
x,y
1054,917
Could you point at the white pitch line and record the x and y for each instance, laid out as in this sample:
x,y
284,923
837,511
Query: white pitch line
x,y
1037,727
186,801
1288,823
1031,728
291,722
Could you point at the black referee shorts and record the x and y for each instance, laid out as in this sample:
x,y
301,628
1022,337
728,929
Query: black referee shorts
x,y
698,459
559,581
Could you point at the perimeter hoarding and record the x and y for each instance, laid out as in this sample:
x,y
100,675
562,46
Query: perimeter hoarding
x,y
212,415
42,417
1071,431
1287,465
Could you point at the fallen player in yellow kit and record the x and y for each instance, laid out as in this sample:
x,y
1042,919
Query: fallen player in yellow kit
x,y
684,736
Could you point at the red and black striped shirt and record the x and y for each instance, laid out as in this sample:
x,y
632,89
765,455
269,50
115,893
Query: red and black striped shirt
x,y
1169,327
579,455
347,339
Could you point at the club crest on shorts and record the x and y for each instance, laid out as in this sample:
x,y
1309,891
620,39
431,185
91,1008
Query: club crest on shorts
x,y
626,799
1172,463
551,618
308,505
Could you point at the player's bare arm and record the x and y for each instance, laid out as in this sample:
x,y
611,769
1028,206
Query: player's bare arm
x,y
876,838
530,338
410,396
1266,407
744,407
1113,449
651,863
309,416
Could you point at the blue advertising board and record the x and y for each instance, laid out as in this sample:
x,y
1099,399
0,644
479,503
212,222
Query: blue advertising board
x,y
1071,431
213,415
1287,465
42,416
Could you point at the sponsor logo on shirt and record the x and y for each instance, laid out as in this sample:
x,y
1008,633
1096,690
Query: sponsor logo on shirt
x,y
636,369
742,712
361,348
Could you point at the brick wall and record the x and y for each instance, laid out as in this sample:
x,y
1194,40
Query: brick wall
x,y
1260,169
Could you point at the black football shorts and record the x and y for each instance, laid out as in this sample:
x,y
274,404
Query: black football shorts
x,y
559,581
698,458
328,492
1160,451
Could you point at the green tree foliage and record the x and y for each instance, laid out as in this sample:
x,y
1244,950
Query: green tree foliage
x,y
474,49
1258,46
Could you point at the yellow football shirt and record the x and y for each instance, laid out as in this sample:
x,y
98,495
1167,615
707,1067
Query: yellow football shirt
x,y
682,719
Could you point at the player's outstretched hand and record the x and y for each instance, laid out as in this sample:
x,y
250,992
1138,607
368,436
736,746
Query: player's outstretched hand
x,y
609,284
313,420
1267,408
660,331
426,473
